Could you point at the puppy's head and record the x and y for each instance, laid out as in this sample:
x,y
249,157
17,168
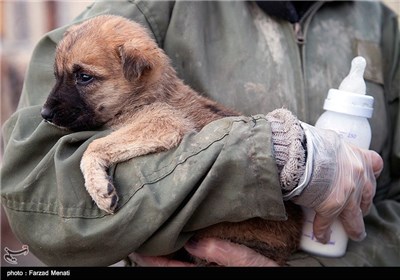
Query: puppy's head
x,y
100,65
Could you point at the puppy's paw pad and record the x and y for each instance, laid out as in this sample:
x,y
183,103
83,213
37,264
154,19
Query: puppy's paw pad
x,y
106,197
114,200
110,188
108,204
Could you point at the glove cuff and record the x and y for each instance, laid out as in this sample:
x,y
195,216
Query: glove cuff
x,y
321,165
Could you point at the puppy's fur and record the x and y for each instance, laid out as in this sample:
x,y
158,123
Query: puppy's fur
x,y
110,72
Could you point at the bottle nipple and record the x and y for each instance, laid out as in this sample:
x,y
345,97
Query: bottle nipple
x,y
354,81
351,96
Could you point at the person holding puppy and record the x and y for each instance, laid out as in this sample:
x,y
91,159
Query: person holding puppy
x,y
250,56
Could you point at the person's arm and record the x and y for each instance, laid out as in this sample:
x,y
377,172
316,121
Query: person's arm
x,y
164,197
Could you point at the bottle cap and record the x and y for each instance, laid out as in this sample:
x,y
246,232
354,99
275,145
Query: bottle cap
x,y
349,103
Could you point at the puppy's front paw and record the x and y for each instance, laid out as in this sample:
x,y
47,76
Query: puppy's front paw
x,y
103,193
98,184
108,201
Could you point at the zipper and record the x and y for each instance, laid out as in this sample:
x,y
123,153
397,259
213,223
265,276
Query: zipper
x,y
300,28
300,33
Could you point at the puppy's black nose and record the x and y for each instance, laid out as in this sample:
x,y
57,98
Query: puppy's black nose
x,y
47,114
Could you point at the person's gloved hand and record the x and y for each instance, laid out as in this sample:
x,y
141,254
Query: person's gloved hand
x,y
213,250
339,181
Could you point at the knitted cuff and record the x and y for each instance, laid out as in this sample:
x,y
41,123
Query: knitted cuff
x,y
289,147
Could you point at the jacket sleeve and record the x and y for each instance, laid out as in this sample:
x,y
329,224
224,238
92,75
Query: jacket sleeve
x,y
226,172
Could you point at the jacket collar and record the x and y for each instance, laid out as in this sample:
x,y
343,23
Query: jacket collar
x,y
291,11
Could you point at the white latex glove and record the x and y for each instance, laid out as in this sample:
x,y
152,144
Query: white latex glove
x,y
340,181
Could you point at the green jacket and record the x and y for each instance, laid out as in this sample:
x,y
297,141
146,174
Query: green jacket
x,y
238,55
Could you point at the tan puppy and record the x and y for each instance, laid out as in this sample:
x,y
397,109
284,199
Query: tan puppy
x,y
110,72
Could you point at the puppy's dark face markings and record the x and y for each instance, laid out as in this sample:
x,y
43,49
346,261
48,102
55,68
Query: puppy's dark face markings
x,y
66,105
95,75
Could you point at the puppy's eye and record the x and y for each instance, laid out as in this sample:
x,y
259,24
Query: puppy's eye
x,y
83,79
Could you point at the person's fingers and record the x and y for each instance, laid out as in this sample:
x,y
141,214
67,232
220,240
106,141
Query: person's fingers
x,y
353,222
368,196
377,163
226,253
322,228
328,212
157,261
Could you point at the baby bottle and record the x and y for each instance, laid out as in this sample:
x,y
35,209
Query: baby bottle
x,y
347,110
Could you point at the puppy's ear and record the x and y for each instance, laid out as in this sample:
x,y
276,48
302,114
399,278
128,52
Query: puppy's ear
x,y
136,61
